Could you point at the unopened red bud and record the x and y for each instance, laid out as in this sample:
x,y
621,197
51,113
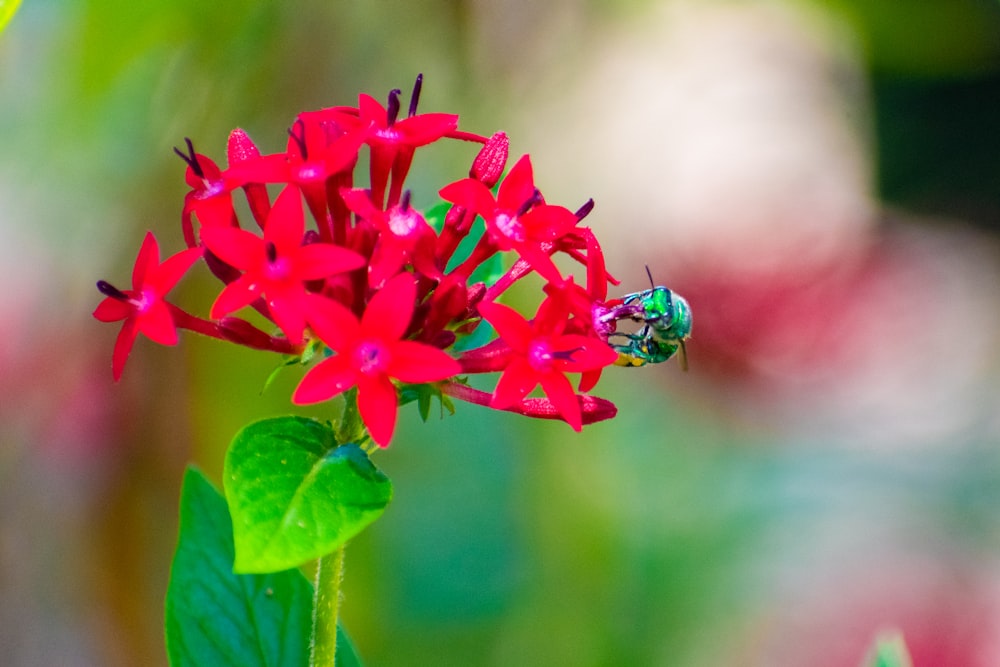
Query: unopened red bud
x,y
240,147
592,409
489,164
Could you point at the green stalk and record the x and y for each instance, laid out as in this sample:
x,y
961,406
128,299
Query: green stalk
x,y
326,602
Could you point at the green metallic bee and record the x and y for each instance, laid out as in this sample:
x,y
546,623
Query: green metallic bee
x,y
667,321
642,348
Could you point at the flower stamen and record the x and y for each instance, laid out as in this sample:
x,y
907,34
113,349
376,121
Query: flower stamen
x,y
300,140
392,108
107,289
191,158
535,198
415,97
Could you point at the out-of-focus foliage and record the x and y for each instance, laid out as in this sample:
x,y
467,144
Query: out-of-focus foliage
x,y
7,9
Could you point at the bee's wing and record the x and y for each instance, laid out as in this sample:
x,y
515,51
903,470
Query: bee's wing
x,y
682,356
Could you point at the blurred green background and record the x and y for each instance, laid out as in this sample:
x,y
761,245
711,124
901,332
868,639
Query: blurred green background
x,y
820,178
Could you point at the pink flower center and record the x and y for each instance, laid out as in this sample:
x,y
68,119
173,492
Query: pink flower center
x,y
278,269
510,226
371,357
388,134
310,171
540,355
144,300
402,223
210,189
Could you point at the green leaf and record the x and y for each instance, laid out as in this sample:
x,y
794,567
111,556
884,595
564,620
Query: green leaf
x,y
295,495
215,617
889,651
7,9
436,214
422,394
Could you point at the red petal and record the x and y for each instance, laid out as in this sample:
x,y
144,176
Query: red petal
x,y
148,258
548,222
472,195
588,353
215,211
332,322
377,404
426,128
389,312
359,201
319,260
123,346
112,310
263,169
289,313
589,379
236,247
157,324
518,187
234,296
329,378
388,258
597,274
371,111
344,151
416,363
286,223
539,261
517,380
509,324
166,275
560,392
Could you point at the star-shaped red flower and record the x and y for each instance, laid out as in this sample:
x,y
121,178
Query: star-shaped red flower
x,y
370,354
541,354
143,307
209,198
516,219
277,265
404,236
393,141
317,150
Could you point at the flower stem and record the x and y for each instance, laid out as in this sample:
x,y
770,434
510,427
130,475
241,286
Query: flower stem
x,y
326,602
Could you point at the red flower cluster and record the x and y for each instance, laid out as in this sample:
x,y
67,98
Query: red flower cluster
x,y
391,294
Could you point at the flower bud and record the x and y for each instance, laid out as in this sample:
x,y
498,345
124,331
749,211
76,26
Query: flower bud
x,y
489,164
240,147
